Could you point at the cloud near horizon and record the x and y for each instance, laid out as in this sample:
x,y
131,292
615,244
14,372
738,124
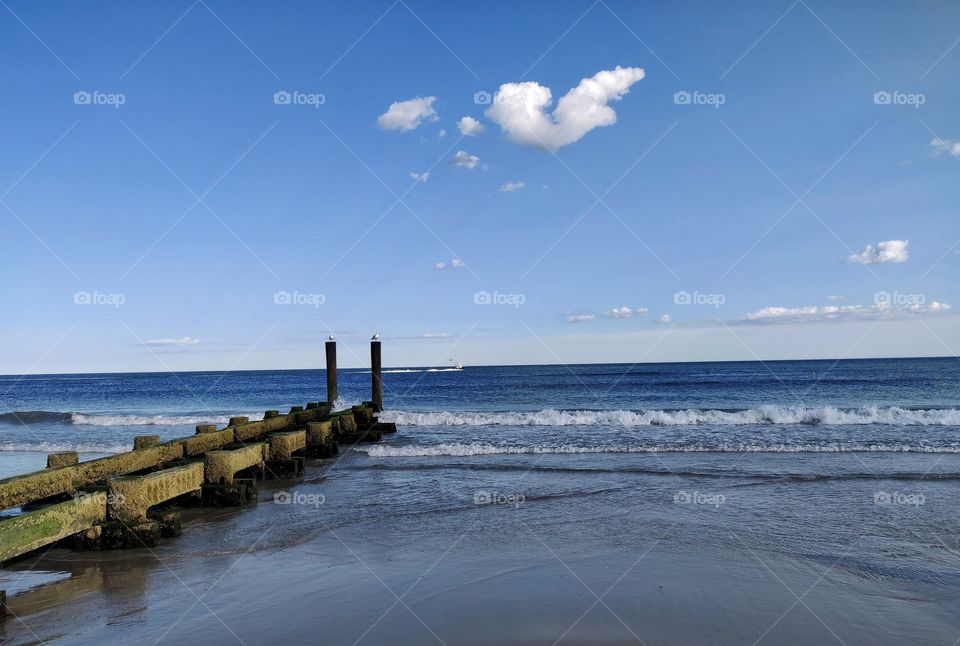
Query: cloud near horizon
x,y
520,108
888,251
409,114
510,187
172,342
879,311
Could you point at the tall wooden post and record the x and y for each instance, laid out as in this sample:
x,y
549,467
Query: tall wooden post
x,y
331,371
376,376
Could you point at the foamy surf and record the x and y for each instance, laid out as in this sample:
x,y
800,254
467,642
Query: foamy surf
x,y
764,415
53,447
478,449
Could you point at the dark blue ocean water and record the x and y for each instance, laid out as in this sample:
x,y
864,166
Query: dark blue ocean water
x,y
853,405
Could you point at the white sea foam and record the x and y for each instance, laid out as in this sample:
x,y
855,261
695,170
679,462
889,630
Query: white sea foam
x,y
153,420
472,449
765,415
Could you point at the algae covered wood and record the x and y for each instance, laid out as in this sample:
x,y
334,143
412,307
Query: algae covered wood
x,y
222,466
30,531
131,496
38,485
284,445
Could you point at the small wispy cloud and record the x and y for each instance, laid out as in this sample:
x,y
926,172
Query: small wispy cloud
x,y
836,297
437,335
463,159
456,263
877,311
613,313
469,127
664,318
941,146
184,341
510,187
408,115
888,251
420,177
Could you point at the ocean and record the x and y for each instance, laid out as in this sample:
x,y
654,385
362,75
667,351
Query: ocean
x,y
789,501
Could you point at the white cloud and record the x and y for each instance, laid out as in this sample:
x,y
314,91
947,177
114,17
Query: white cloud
x,y
510,187
619,312
581,318
941,146
465,160
835,297
889,251
843,312
442,133
520,108
456,263
172,342
664,318
421,177
469,127
436,335
407,115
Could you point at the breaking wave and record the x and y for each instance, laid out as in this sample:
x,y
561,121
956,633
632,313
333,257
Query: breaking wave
x,y
764,415
473,449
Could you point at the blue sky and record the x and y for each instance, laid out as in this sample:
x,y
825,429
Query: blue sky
x,y
200,225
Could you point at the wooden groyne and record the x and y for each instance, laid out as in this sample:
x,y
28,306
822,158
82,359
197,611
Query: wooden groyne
x,y
130,499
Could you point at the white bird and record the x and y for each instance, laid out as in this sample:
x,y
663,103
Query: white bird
x,y
376,336
330,338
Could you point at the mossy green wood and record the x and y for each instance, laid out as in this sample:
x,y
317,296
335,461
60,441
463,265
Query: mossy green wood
x,y
35,529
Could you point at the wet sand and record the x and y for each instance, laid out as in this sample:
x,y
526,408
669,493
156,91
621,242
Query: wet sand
x,y
385,558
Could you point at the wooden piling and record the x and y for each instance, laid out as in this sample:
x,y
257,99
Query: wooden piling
x,y
331,347
376,376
